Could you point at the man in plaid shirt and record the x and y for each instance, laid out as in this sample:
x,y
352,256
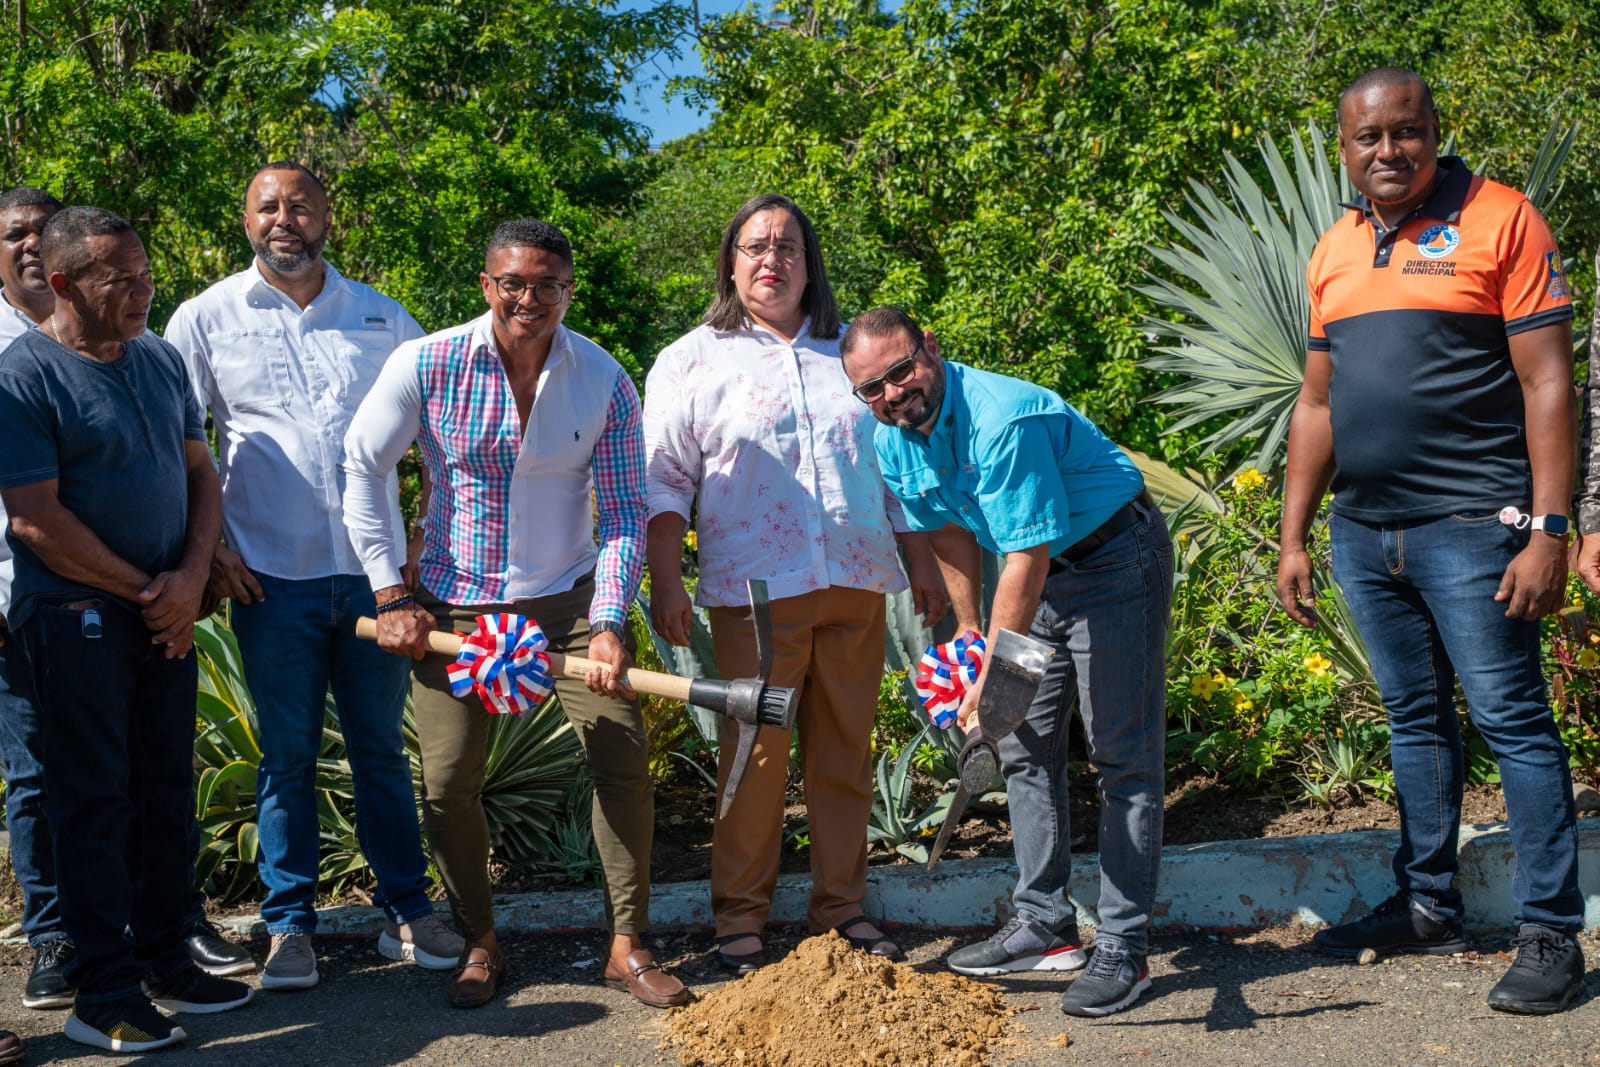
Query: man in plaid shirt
x,y
519,421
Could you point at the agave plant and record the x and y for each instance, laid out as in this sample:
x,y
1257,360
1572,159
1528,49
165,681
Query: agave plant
x,y
227,752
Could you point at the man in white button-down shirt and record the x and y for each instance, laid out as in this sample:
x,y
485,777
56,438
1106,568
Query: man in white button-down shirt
x,y
282,354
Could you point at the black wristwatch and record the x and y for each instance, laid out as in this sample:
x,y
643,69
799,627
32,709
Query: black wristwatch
x,y
1554,525
598,628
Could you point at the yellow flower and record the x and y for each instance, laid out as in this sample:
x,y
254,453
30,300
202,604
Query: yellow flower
x,y
1588,659
1202,686
692,540
1248,480
1222,680
1242,703
1318,664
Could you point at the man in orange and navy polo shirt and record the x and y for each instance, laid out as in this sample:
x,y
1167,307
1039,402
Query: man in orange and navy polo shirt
x,y
1437,402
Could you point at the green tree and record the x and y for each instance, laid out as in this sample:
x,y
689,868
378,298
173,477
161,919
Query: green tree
x,y
432,121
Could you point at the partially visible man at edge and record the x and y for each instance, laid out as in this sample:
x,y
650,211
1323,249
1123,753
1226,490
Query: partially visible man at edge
x,y
114,513
1437,403
26,301
282,354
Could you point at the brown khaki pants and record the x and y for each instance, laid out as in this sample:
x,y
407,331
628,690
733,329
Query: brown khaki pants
x,y
829,645
452,734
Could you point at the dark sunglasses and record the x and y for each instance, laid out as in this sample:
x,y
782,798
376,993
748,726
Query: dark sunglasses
x,y
898,374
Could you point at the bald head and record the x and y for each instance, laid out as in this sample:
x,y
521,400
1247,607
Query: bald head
x,y
1383,79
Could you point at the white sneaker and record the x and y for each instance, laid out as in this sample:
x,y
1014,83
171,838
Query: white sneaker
x,y
426,941
292,963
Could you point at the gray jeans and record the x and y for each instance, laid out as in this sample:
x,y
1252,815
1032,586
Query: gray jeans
x,y
1107,616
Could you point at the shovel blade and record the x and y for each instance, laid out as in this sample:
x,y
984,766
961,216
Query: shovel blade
x,y
1011,678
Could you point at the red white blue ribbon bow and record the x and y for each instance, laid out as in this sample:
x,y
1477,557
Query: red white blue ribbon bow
x,y
504,662
945,673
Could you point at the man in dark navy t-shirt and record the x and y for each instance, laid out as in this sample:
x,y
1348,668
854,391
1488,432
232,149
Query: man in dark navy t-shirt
x,y
114,511
1438,403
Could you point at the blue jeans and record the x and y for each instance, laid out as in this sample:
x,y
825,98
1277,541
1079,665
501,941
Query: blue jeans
x,y
1107,616
296,644
117,719
22,753
1422,595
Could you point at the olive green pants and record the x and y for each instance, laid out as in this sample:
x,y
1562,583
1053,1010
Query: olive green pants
x,y
453,732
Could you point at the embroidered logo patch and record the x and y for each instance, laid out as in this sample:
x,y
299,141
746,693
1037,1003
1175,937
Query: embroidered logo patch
x,y
1439,241
1557,289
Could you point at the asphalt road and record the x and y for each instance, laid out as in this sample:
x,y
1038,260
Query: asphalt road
x,y
1240,1000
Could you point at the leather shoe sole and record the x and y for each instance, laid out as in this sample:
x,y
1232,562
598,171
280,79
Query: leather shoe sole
x,y
477,981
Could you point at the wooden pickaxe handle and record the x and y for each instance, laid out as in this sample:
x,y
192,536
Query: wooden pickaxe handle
x,y
448,643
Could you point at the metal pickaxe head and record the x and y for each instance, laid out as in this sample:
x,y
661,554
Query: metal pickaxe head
x,y
750,702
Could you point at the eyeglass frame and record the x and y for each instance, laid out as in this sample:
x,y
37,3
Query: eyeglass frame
x,y
564,289
882,381
772,247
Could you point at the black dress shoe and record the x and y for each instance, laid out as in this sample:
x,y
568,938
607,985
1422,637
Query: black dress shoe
x,y
47,983
739,964
214,955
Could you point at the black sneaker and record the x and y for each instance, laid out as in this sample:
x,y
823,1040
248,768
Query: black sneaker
x,y
214,954
1020,945
1394,926
195,992
47,983
122,1026
1547,974
1113,980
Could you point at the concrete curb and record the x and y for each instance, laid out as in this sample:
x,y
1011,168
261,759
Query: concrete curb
x,y
1215,885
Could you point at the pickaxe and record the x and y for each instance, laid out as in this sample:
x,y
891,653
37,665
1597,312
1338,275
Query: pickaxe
x,y
750,702
1011,678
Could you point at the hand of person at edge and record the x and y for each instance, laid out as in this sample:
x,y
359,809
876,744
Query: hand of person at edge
x,y
1296,592
967,713
411,570
671,612
607,648
1535,584
232,579
1588,561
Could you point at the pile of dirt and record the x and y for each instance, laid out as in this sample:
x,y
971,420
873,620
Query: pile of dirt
x,y
827,1002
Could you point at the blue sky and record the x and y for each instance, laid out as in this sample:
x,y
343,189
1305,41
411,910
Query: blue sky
x,y
647,101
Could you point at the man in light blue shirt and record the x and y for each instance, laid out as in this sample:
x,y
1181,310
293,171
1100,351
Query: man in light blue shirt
x,y
981,459
282,354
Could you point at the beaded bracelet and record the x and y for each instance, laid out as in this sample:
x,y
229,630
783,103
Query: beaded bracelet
x,y
396,604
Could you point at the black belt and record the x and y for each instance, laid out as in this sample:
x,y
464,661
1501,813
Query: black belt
x,y
1120,520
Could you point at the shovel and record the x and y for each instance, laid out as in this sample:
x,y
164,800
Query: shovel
x,y
750,702
1010,680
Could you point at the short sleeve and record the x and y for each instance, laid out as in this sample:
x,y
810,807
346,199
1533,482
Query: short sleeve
x,y
1534,290
1021,495
1317,340
28,452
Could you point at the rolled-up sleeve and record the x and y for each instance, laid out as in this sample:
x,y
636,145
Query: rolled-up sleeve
x,y
384,426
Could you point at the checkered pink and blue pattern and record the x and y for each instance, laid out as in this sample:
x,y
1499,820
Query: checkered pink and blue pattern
x,y
470,438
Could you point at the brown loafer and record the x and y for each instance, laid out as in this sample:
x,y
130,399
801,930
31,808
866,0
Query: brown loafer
x,y
476,981
648,983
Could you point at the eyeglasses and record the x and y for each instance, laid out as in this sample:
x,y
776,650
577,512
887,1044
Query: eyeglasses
x,y
547,293
898,374
786,249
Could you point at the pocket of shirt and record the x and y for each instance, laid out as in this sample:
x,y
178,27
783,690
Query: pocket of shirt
x,y
250,369
363,354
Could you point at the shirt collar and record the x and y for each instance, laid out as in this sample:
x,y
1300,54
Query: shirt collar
x,y
752,327
7,307
483,340
258,288
1444,204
